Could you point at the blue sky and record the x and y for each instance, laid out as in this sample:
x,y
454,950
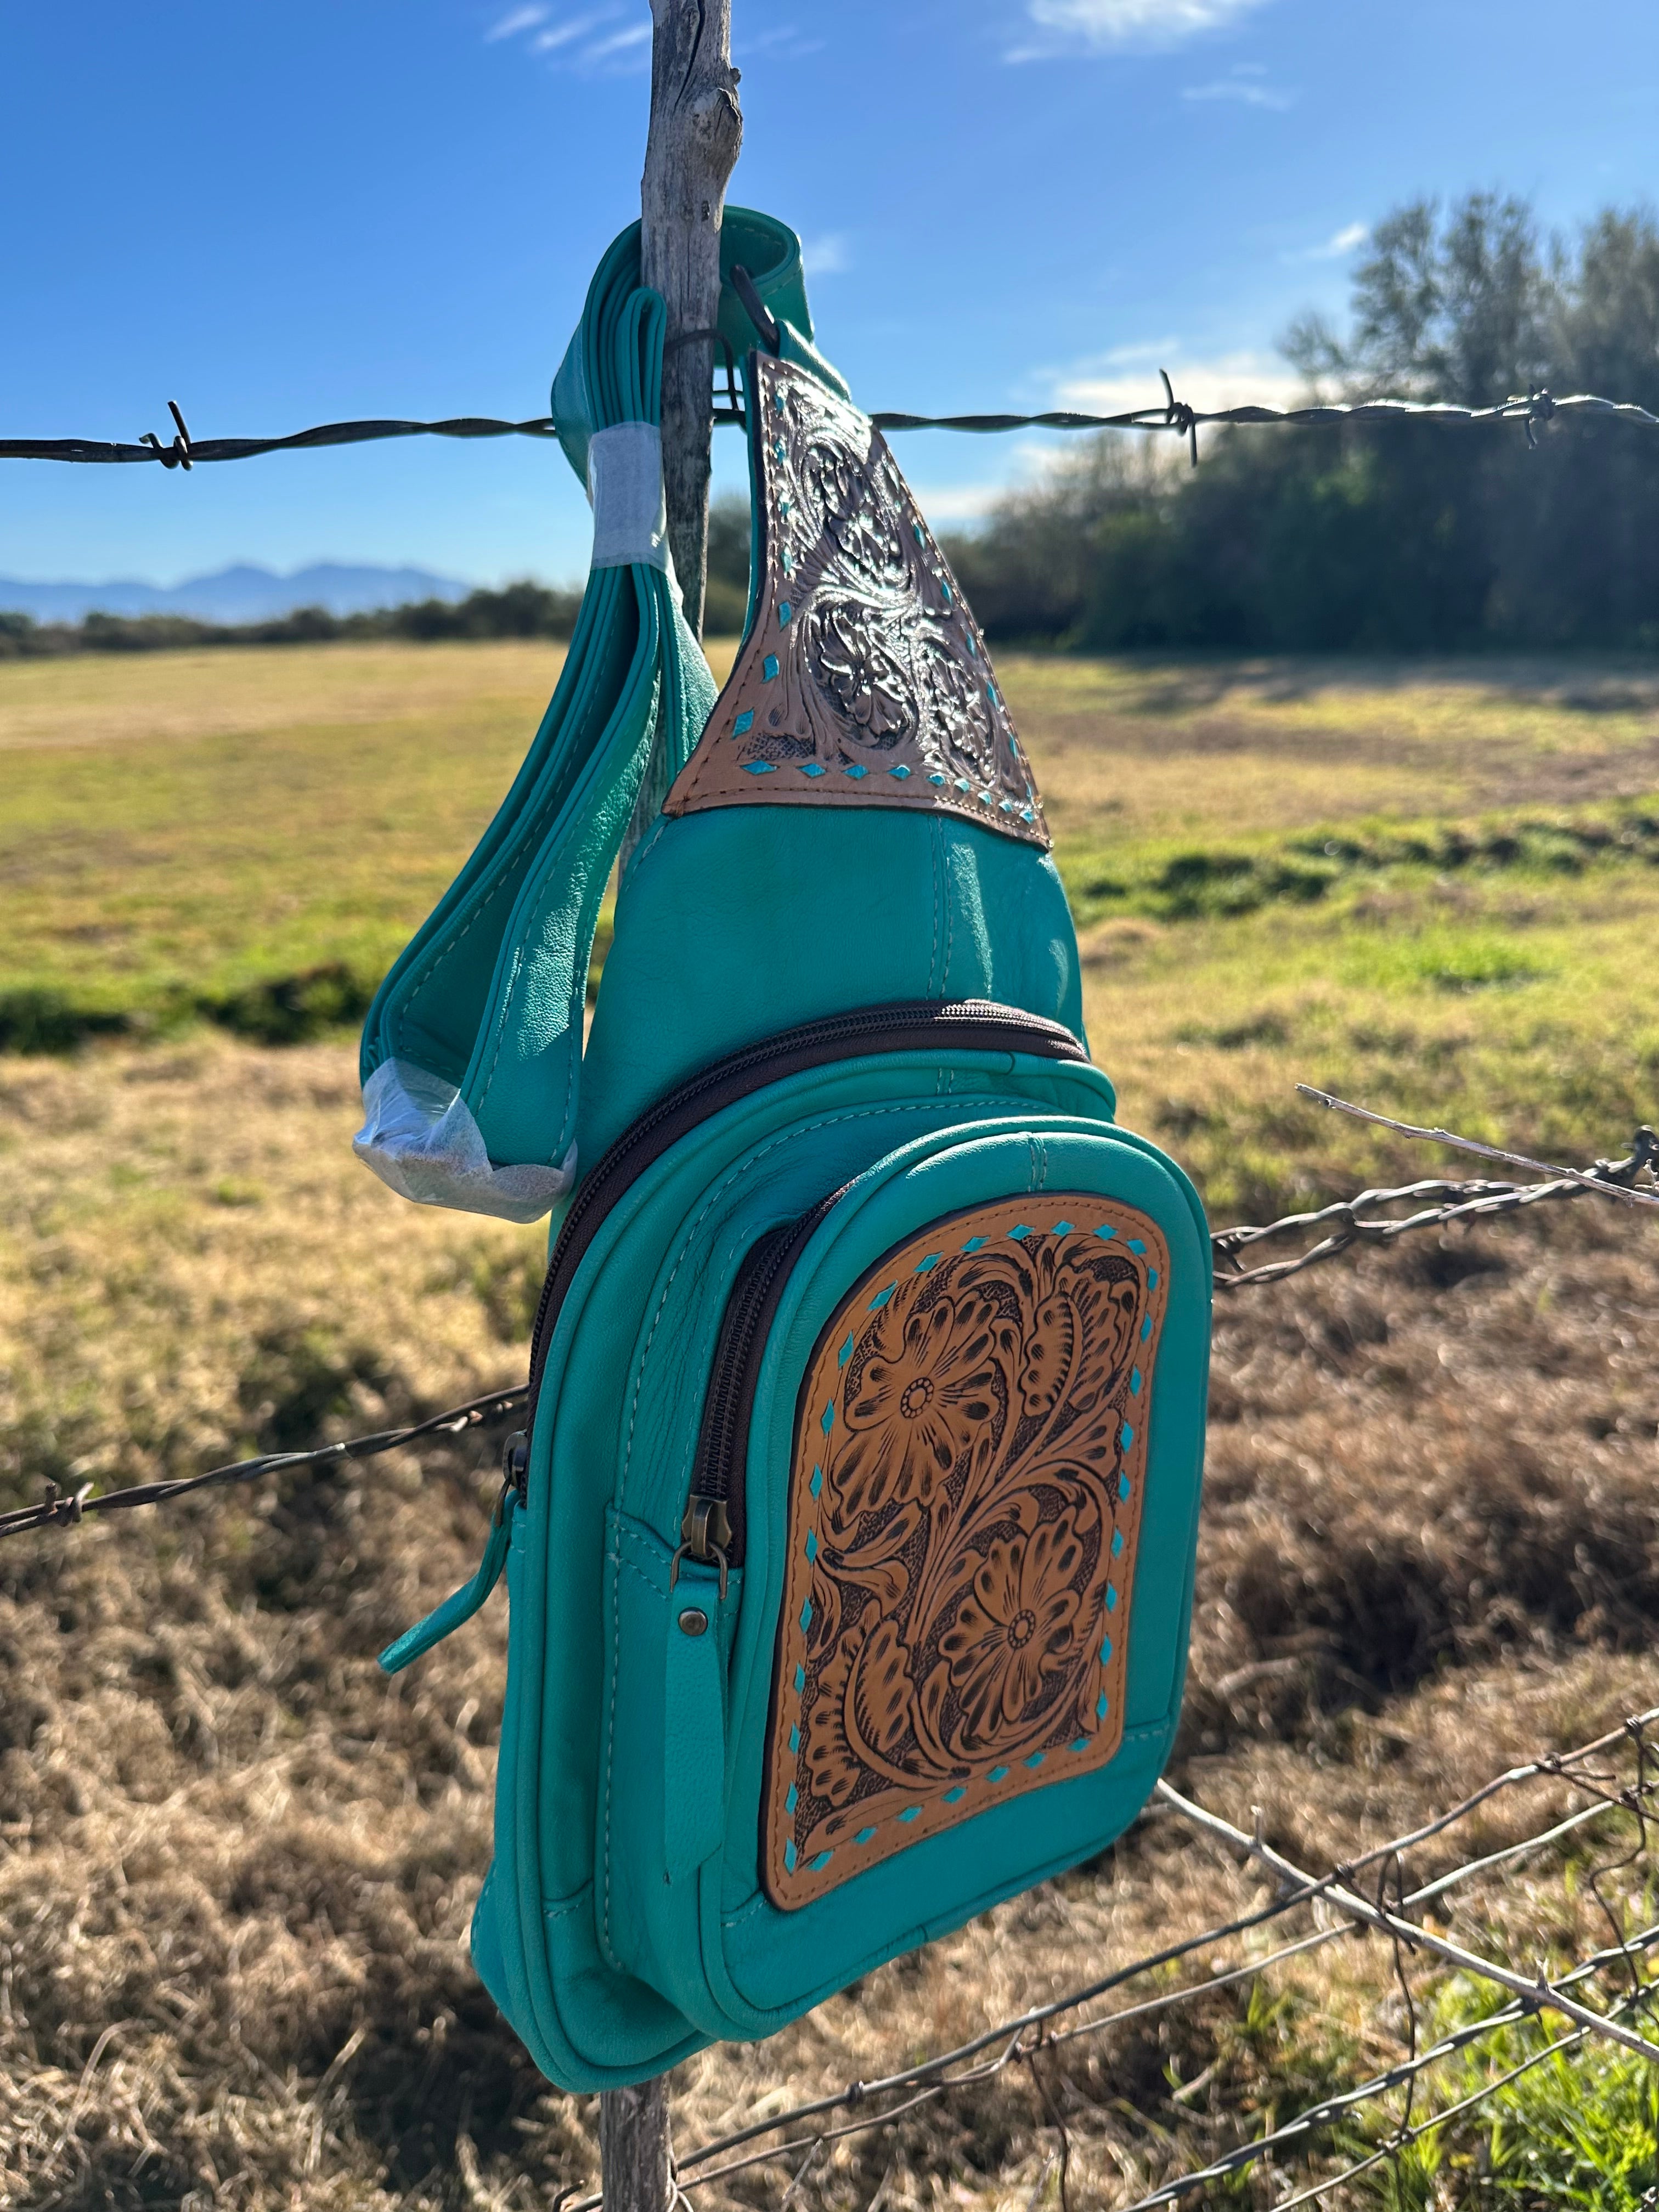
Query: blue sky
x,y
281,216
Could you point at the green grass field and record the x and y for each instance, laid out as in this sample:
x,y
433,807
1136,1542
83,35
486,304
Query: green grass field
x,y
236,1866
1436,888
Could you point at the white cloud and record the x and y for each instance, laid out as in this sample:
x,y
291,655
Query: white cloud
x,y
947,503
1226,379
560,35
829,256
1342,241
1244,86
517,20
636,34
1098,26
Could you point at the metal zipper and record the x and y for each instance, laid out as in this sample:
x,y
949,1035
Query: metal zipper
x,y
712,1530
909,1025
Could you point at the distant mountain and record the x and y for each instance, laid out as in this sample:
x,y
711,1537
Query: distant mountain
x,y
240,594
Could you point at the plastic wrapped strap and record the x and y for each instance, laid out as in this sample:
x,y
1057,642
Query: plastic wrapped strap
x,y
419,1137
624,483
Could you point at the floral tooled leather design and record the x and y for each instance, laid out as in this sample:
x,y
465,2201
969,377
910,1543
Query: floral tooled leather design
x,y
865,680
964,1499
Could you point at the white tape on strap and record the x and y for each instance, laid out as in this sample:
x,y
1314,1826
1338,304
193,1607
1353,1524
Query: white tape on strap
x,y
624,482
419,1137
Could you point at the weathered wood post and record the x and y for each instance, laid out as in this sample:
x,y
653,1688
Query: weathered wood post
x,y
696,129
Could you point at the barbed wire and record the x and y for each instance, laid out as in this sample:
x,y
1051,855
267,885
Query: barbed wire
x,y
1174,416
1355,1221
1350,1221
1022,2039
57,1510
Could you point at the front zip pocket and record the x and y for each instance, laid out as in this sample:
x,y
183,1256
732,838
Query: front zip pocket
x,y
912,1025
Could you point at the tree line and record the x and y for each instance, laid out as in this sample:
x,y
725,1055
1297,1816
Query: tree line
x,y
1405,537
524,610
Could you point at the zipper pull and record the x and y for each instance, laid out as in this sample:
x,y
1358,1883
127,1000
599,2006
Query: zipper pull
x,y
705,1536
460,1604
515,1469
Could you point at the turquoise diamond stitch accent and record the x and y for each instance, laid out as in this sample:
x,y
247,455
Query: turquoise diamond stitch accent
x,y
1118,1543
794,1739
997,1774
1102,1709
1151,1278
855,772
1137,1246
828,1422
1080,1743
812,1543
784,612
789,1856
1126,1436
769,666
911,1812
1147,1329
900,772
1020,1231
962,784
973,1244
806,1616
1106,1651
744,721
1111,1599
1062,1228
1123,1488
815,1485
936,779
1036,1759
792,1800
955,1796
846,1352
1106,1232
864,1835
881,1297
1135,1379
758,767
927,1263
800,1678
822,1860
813,769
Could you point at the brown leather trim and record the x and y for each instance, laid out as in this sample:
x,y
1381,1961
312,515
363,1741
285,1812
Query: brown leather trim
x,y
865,681
964,1501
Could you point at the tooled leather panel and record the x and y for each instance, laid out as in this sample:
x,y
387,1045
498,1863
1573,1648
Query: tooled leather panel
x,y
865,680
964,1499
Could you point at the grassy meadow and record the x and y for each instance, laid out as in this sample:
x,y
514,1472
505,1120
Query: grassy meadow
x,y
236,1864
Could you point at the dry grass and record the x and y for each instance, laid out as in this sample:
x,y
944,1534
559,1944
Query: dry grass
x,y
236,1865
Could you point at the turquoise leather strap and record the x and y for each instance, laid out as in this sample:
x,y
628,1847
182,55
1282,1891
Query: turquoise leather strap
x,y
460,1604
694,1715
471,1051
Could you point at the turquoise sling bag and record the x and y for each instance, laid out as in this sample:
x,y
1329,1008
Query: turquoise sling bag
x,y
849,1539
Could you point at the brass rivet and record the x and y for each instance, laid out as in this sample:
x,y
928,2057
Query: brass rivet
x,y
693,1622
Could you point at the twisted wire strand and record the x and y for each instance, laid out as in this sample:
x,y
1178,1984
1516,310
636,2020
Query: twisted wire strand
x,y
933,2077
1531,409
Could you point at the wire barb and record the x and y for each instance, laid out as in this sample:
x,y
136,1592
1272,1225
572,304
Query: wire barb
x,y
178,455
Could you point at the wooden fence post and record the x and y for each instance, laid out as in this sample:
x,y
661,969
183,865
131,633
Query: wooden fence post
x,y
696,129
